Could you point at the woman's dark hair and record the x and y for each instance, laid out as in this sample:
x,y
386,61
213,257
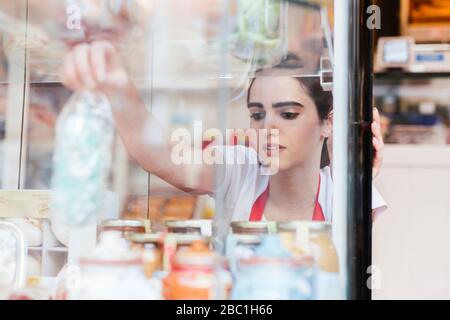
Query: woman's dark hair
x,y
322,99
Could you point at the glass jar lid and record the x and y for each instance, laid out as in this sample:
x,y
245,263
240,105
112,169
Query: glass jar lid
x,y
203,227
112,250
312,226
188,239
118,223
250,227
144,238
197,255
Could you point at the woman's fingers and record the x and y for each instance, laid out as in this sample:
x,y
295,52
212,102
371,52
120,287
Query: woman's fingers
x,y
69,74
83,66
99,56
378,143
93,66
376,115
107,66
376,132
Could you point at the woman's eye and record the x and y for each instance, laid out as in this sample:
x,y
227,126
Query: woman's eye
x,y
289,115
257,116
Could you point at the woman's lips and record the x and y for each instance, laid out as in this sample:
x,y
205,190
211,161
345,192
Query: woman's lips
x,y
273,149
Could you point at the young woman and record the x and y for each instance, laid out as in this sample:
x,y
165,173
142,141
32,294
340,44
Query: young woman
x,y
296,110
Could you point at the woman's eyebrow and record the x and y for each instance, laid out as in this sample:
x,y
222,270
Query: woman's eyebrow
x,y
255,105
287,104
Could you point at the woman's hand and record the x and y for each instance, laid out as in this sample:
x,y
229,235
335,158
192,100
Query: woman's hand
x,y
378,143
95,66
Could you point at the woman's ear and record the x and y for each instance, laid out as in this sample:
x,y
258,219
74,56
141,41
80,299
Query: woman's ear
x,y
327,127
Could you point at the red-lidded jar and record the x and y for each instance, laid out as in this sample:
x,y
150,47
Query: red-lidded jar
x,y
195,275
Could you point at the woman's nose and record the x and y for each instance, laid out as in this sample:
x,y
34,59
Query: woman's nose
x,y
270,123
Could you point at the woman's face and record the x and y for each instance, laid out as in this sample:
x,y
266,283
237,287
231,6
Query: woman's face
x,y
295,132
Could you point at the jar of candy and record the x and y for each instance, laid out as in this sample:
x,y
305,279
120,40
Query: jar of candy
x,y
273,273
197,273
239,247
110,272
174,242
314,238
150,246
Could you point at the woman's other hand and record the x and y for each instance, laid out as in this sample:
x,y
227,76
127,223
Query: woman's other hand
x,y
378,143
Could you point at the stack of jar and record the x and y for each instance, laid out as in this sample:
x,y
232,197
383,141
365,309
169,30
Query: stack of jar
x,y
263,260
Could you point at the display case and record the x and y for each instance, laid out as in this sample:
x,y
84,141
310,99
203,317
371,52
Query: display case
x,y
192,64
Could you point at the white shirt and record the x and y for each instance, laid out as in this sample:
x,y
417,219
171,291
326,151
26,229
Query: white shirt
x,y
240,181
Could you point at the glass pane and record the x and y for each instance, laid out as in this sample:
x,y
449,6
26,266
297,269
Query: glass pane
x,y
12,75
231,66
3,108
46,47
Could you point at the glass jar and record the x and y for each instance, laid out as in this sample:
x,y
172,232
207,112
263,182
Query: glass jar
x,y
275,274
239,247
112,272
150,246
125,227
197,274
174,242
308,237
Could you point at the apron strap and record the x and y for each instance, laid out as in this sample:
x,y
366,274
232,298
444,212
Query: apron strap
x,y
259,206
318,212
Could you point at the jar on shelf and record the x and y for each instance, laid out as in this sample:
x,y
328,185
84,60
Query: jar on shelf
x,y
273,273
174,242
197,273
150,246
111,271
239,247
314,238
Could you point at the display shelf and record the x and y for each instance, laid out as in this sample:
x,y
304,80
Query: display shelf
x,y
198,84
58,249
404,75
34,248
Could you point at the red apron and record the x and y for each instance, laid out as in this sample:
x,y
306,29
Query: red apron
x,y
260,205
